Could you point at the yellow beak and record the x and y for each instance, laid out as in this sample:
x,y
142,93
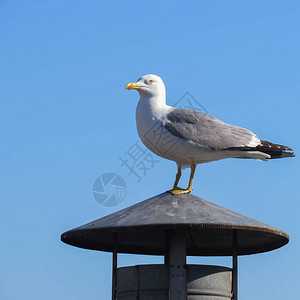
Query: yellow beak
x,y
132,85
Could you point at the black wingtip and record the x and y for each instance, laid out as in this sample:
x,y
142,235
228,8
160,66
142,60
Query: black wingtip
x,y
288,154
282,154
274,150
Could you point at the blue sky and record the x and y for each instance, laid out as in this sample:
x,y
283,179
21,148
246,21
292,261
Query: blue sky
x,y
66,119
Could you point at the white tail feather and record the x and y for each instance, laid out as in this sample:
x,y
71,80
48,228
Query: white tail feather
x,y
249,154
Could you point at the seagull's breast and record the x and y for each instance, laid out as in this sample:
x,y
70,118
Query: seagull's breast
x,y
149,121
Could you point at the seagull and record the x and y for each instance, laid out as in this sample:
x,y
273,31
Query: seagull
x,y
189,137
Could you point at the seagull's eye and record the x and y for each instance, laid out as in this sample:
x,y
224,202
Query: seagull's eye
x,y
151,81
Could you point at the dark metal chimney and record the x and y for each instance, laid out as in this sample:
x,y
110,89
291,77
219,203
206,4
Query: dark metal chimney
x,y
176,226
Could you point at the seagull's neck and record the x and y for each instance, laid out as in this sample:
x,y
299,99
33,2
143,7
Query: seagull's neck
x,y
155,105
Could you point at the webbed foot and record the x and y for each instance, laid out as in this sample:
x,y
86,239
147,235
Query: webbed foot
x,y
180,191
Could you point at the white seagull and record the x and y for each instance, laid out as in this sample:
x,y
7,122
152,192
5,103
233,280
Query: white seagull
x,y
191,137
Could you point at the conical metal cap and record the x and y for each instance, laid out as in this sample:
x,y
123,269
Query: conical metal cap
x,y
209,228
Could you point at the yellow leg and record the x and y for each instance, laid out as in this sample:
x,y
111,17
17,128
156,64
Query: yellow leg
x,y
178,191
178,175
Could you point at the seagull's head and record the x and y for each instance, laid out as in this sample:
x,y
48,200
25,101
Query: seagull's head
x,y
148,86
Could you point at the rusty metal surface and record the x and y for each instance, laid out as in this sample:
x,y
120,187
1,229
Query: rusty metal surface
x,y
209,228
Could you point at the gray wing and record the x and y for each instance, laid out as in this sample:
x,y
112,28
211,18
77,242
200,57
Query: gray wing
x,y
207,131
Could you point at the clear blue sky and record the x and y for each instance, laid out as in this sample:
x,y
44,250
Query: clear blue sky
x,y
66,119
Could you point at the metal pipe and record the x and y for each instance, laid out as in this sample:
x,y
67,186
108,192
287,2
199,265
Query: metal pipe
x,y
177,265
114,265
234,265
167,248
